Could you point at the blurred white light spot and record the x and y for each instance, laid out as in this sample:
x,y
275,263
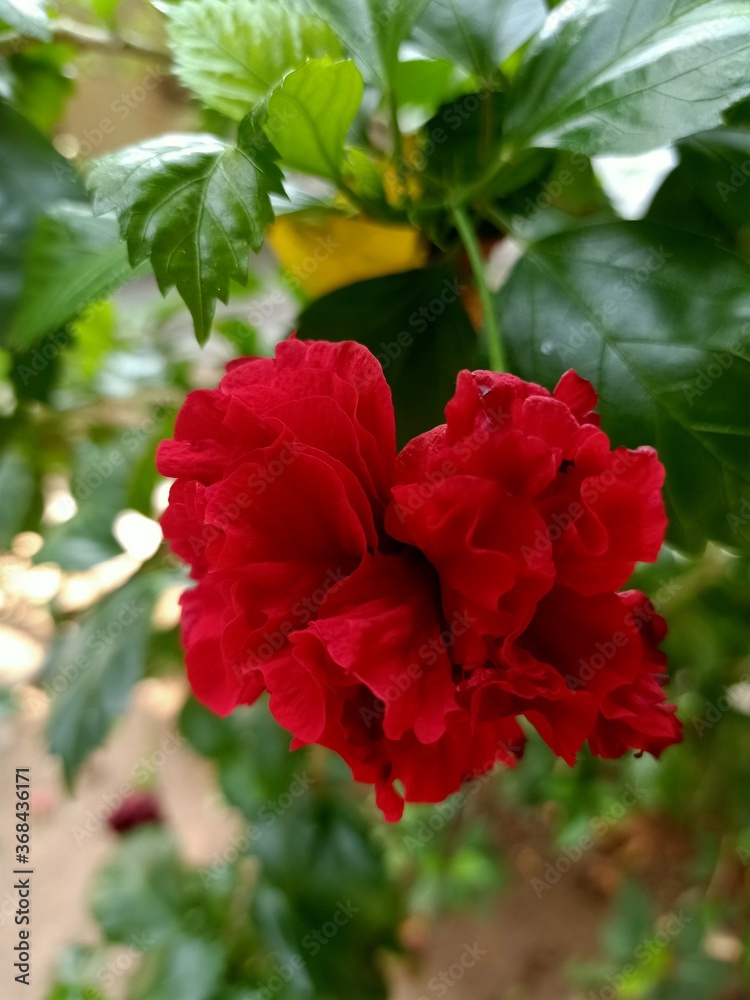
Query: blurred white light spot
x,y
27,544
722,946
22,655
59,507
632,181
167,610
138,535
160,496
738,696
39,584
66,145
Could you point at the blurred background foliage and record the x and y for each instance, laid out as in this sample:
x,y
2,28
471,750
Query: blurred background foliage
x,y
315,897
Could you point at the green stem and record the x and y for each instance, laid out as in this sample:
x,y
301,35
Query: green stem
x,y
398,144
471,244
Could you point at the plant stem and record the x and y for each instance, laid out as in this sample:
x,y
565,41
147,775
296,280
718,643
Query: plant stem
x,y
471,245
398,145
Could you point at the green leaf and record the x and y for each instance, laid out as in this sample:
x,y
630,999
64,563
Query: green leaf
x,y
310,114
73,258
16,481
659,321
625,76
480,34
33,176
709,191
372,31
231,53
180,968
99,487
92,672
193,205
27,17
415,325
138,897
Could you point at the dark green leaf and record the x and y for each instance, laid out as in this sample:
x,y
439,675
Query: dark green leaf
x,y
73,258
310,114
32,177
709,191
232,53
372,31
415,325
659,321
480,34
193,205
92,672
16,481
624,76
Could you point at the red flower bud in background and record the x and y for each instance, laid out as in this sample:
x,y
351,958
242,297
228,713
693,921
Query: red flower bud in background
x,y
135,810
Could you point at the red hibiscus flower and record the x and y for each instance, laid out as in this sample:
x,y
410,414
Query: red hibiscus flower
x,y
406,610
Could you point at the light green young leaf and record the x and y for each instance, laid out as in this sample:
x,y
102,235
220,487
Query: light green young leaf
x,y
73,258
372,31
310,114
659,321
479,35
27,17
231,53
193,205
625,76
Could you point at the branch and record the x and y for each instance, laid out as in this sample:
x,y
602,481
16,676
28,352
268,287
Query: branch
x,y
87,38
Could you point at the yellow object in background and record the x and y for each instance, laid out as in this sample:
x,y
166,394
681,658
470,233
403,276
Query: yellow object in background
x,y
338,250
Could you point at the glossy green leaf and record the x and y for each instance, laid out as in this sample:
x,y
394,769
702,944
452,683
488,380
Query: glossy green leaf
x,y
73,258
91,672
659,321
193,205
625,76
310,114
480,34
709,191
27,17
415,325
232,53
372,31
